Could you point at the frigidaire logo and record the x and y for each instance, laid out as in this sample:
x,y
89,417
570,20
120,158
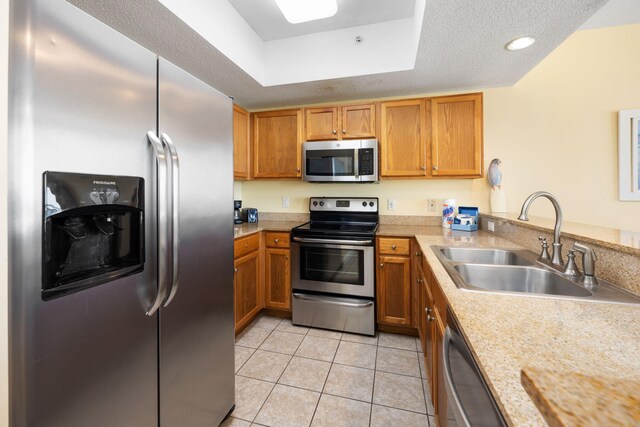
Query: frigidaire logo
x,y
105,182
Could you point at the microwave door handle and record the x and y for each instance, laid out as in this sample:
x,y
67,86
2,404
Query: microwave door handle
x,y
175,214
163,223
456,406
356,166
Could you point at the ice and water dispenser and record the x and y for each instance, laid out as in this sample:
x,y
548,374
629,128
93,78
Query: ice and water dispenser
x,y
93,231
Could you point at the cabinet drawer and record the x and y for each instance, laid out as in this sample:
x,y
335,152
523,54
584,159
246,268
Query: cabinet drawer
x,y
245,245
277,240
393,246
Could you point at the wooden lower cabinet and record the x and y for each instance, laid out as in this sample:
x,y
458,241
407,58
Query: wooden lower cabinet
x,y
394,290
247,298
277,278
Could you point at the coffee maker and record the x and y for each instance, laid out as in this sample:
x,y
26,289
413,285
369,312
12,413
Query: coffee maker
x,y
237,204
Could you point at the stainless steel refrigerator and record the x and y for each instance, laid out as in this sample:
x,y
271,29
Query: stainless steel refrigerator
x,y
149,341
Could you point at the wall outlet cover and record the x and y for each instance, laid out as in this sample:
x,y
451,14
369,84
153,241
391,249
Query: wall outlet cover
x,y
391,204
431,205
285,202
491,226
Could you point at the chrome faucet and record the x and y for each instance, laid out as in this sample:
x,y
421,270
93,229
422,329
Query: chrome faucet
x,y
556,252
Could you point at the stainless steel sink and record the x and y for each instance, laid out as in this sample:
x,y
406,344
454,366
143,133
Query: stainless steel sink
x,y
530,280
485,256
518,272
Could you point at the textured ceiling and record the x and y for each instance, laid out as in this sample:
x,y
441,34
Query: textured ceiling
x,y
267,20
461,48
616,12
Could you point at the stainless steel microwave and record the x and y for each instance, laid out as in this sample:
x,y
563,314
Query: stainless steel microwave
x,y
340,161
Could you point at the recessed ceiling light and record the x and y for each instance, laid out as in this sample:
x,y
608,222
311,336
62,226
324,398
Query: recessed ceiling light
x,y
520,43
297,11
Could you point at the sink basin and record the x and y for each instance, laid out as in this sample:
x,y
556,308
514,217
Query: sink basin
x,y
484,256
528,280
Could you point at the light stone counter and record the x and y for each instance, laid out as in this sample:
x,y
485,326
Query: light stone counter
x,y
570,399
509,333
245,229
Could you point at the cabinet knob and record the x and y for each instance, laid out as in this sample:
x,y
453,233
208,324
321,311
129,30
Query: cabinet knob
x,y
419,280
381,264
298,170
246,245
344,131
286,257
393,247
235,270
428,310
435,168
275,240
418,253
335,131
424,168
430,318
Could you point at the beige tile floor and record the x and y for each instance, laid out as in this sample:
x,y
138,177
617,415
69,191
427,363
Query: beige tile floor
x,y
288,375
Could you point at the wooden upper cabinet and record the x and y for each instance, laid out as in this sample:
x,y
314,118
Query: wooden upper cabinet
x,y
346,122
403,138
457,147
358,121
241,143
321,123
277,142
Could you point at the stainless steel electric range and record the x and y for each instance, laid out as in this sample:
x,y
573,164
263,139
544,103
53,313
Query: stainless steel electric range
x,y
332,265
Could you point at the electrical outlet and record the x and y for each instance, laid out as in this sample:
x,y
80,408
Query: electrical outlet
x,y
491,226
431,205
391,204
285,202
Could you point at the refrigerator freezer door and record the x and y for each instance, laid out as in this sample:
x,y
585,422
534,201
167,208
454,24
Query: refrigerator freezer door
x,y
82,99
196,326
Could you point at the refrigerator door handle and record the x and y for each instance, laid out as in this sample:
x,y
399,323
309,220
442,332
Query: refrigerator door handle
x,y
175,214
163,223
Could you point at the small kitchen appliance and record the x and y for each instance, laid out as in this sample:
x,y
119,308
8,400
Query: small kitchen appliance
x,y
237,204
249,215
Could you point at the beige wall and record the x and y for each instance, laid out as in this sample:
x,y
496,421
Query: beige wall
x,y
4,328
555,130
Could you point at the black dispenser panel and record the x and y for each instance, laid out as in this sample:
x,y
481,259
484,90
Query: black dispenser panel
x,y
93,230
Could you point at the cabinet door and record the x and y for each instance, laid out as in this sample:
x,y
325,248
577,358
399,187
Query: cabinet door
x,y
416,283
428,319
278,279
457,148
247,290
394,290
321,123
277,144
358,121
403,138
240,143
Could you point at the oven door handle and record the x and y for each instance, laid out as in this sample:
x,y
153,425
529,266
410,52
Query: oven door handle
x,y
334,241
343,303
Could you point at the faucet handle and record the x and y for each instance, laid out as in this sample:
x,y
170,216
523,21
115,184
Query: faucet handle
x,y
544,254
570,268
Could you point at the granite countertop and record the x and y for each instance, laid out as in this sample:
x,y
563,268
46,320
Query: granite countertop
x,y
571,399
509,333
244,229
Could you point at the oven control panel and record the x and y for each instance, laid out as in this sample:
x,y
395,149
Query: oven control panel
x,y
346,204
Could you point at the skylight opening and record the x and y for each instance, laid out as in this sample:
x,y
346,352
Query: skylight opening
x,y
298,11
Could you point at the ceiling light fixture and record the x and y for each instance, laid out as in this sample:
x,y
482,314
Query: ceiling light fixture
x,y
297,11
520,43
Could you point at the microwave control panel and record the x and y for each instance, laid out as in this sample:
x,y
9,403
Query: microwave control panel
x,y
365,161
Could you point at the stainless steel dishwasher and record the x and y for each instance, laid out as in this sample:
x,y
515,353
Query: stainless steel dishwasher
x,y
470,402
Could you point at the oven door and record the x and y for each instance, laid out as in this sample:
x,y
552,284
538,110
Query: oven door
x,y
332,266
